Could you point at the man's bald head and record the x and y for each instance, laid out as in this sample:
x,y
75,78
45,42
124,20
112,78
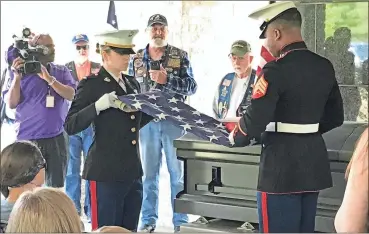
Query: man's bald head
x,y
46,41
41,39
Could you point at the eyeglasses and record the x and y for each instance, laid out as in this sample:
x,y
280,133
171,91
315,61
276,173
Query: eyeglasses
x,y
84,47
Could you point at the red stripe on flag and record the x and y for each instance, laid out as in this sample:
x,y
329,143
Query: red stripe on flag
x,y
266,57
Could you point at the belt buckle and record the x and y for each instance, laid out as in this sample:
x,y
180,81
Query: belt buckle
x,y
156,120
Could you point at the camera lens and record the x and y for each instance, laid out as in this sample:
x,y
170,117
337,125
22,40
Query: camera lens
x,y
26,32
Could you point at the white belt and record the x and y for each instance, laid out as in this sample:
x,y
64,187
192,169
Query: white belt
x,y
292,128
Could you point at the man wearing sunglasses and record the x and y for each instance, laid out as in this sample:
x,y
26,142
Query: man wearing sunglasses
x,y
80,143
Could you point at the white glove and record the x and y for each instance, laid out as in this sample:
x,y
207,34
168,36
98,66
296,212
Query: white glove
x,y
106,101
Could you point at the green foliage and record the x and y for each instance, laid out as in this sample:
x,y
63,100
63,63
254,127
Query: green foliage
x,y
352,15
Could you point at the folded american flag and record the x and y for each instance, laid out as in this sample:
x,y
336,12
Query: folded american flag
x,y
163,106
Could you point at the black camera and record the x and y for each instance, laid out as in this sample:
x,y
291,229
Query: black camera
x,y
29,54
155,65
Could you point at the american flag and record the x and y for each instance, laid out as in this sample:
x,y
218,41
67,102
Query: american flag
x,y
112,17
163,106
266,57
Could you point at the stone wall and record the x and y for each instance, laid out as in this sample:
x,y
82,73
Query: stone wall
x,y
205,29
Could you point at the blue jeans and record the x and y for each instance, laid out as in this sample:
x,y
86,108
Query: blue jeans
x,y
78,143
154,137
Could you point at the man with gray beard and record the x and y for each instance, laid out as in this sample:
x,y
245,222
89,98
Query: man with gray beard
x,y
162,67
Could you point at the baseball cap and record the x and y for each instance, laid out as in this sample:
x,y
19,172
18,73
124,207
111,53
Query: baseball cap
x,y
80,38
157,19
240,48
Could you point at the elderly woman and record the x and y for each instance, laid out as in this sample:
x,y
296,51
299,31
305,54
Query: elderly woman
x,y
44,210
22,169
353,215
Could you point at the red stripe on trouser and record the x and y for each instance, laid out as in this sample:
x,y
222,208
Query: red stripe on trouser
x,y
94,223
264,212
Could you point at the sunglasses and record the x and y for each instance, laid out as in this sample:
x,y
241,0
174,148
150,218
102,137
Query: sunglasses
x,y
84,47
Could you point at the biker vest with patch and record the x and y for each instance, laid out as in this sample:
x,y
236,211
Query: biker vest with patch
x,y
171,61
225,92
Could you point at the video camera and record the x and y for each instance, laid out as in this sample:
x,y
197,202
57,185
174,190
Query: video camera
x,y
29,54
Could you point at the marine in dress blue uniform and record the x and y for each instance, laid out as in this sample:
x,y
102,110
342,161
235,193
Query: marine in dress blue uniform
x,y
113,164
294,101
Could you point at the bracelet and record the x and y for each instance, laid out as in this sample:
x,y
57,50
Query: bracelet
x,y
53,81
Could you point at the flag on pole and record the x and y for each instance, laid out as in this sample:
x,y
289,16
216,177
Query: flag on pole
x,y
266,57
112,17
163,106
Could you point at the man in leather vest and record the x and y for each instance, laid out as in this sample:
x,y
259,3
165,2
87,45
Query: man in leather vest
x,y
233,94
167,68
294,101
80,143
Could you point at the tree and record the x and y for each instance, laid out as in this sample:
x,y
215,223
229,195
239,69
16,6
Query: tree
x,y
352,15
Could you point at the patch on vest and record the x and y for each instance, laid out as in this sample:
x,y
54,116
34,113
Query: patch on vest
x,y
138,62
175,63
260,88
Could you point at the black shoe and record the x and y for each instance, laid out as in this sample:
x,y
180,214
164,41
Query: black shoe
x,y
148,228
177,229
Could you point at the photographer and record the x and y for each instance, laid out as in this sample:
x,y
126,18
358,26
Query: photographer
x,y
41,104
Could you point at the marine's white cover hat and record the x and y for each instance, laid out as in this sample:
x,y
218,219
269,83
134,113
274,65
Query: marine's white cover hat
x,y
118,39
269,13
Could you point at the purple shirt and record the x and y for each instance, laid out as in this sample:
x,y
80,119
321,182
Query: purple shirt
x,y
33,120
